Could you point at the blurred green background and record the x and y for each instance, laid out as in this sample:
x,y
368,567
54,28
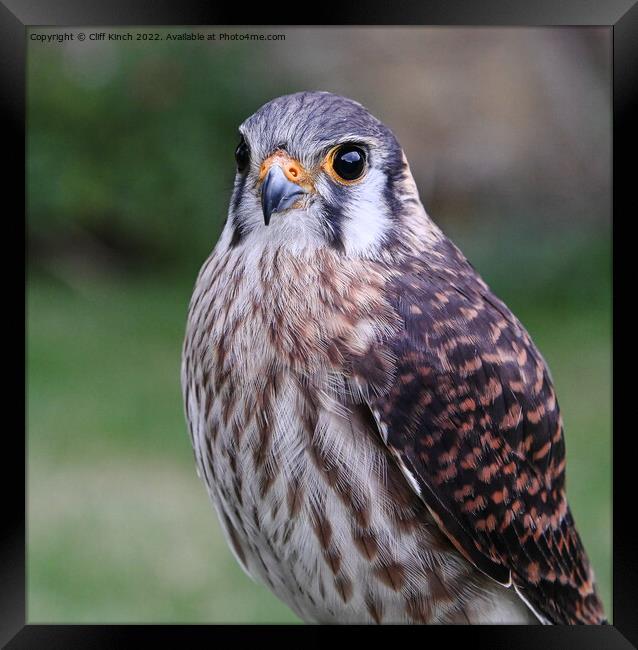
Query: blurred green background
x,y
130,166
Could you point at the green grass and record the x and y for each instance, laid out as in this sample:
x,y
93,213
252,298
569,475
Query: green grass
x,y
120,528
131,538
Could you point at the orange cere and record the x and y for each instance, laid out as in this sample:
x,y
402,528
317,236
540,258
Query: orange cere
x,y
292,168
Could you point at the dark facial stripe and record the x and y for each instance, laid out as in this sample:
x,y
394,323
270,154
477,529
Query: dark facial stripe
x,y
239,192
238,229
394,171
335,217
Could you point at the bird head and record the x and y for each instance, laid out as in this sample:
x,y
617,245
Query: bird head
x,y
316,170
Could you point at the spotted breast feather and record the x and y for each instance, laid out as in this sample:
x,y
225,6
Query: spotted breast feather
x,y
474,424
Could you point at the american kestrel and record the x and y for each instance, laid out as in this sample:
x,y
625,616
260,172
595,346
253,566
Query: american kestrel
x,y
378,433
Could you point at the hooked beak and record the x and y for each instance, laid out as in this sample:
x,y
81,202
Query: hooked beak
x,y
277,192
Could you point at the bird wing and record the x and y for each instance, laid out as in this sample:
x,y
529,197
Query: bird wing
x,y
473,421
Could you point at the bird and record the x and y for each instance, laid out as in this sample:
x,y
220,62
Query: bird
x,y
379,435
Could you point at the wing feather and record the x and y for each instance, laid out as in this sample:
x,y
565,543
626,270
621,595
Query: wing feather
x,y
473,419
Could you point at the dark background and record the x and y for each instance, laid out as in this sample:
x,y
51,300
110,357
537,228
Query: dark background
x,y
130,165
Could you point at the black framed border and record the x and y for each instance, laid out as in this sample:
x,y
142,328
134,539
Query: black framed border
x,y
16,16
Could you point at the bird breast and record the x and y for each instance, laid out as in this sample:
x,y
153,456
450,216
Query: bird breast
x,y
308,498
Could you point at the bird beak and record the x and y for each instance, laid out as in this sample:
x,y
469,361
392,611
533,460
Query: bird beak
x,y
279,191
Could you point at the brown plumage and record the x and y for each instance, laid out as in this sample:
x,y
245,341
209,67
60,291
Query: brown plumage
x,y
377,431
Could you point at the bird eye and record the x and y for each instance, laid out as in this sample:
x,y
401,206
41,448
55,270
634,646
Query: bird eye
x,y
349,162
242,155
